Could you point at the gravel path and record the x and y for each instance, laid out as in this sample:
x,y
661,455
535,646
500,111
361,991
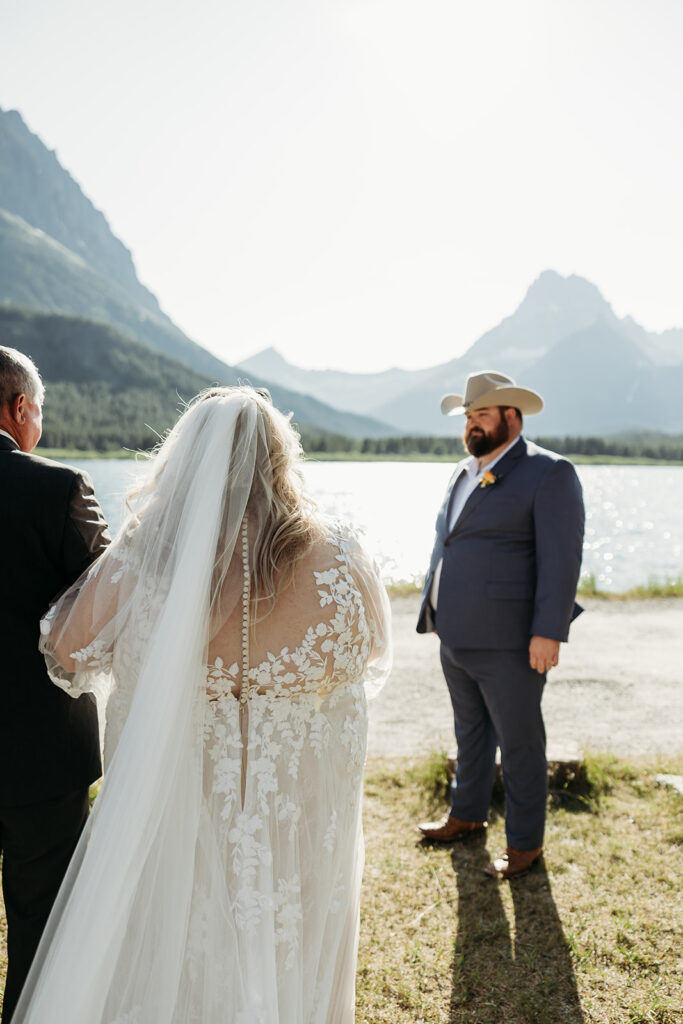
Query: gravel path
x,y
618,687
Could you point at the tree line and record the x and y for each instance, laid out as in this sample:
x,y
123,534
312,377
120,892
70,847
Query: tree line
x,y
651,446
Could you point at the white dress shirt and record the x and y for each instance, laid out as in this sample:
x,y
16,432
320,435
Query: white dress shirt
x,y
465,485
5,434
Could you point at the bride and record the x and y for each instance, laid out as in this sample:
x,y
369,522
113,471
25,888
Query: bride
x,y
236,636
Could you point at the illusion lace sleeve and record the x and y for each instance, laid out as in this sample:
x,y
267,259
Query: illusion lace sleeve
x,y
366,576
77,631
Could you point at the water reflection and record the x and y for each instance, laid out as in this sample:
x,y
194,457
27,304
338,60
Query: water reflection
x,y
633,523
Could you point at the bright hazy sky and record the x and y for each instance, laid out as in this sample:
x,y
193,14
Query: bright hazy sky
x,y
366,183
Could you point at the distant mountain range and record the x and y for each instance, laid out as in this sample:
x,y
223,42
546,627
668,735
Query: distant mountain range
x,y
597,373
58,256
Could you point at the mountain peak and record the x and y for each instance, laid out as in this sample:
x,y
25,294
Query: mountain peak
x,y
551,288
271,353
269,362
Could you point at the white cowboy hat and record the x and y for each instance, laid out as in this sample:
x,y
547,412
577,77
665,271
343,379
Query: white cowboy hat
x,y
491,388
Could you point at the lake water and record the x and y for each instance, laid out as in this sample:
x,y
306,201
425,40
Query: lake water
x,y
634,526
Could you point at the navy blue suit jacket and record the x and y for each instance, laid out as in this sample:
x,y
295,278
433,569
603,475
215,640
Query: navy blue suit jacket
x,y
511,563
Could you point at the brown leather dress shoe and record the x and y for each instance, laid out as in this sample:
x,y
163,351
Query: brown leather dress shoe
x,y
450,828
513,863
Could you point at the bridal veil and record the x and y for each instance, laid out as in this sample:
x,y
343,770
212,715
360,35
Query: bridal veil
x,y
144,615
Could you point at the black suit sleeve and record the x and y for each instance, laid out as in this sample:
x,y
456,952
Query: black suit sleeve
x,y
85,531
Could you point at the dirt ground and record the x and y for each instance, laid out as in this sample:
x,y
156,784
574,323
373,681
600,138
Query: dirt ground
x,y
618,687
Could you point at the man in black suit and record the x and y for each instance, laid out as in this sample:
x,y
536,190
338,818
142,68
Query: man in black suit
x,y
51,530
500,594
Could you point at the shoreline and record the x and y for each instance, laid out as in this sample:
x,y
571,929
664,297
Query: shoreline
x,y
655,589
577,459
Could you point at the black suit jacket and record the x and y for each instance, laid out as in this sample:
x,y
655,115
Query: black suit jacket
x,y
51,529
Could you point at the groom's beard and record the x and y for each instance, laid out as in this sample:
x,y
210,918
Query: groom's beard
x,y
478,443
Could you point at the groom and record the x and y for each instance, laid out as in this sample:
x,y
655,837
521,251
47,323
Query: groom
x,y
500,594
51,529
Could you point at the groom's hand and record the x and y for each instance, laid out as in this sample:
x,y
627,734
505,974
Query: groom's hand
x,y
544,653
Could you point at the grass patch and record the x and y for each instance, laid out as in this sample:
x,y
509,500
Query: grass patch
x,y
589,936
430,777
78,453
653,588
587,588
405,588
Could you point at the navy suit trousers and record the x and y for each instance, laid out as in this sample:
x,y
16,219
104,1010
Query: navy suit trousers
x,y
496,698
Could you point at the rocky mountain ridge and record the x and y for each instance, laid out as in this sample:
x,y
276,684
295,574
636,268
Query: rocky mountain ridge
x,y
59,256
598,373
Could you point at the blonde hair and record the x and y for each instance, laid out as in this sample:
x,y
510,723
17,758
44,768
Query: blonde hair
x,y
281,517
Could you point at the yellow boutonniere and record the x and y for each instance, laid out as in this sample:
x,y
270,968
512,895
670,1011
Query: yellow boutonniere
x,y
488,479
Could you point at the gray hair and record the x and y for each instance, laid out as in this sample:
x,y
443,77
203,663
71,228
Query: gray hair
x,y
18,376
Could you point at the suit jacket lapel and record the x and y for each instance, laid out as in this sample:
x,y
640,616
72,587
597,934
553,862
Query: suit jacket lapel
x,y
448,500
501,469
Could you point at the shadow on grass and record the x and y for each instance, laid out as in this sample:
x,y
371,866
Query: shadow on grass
x,y
514,966
521,978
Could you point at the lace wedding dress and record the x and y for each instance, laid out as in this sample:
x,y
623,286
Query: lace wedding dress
x,y
283,771
219,878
